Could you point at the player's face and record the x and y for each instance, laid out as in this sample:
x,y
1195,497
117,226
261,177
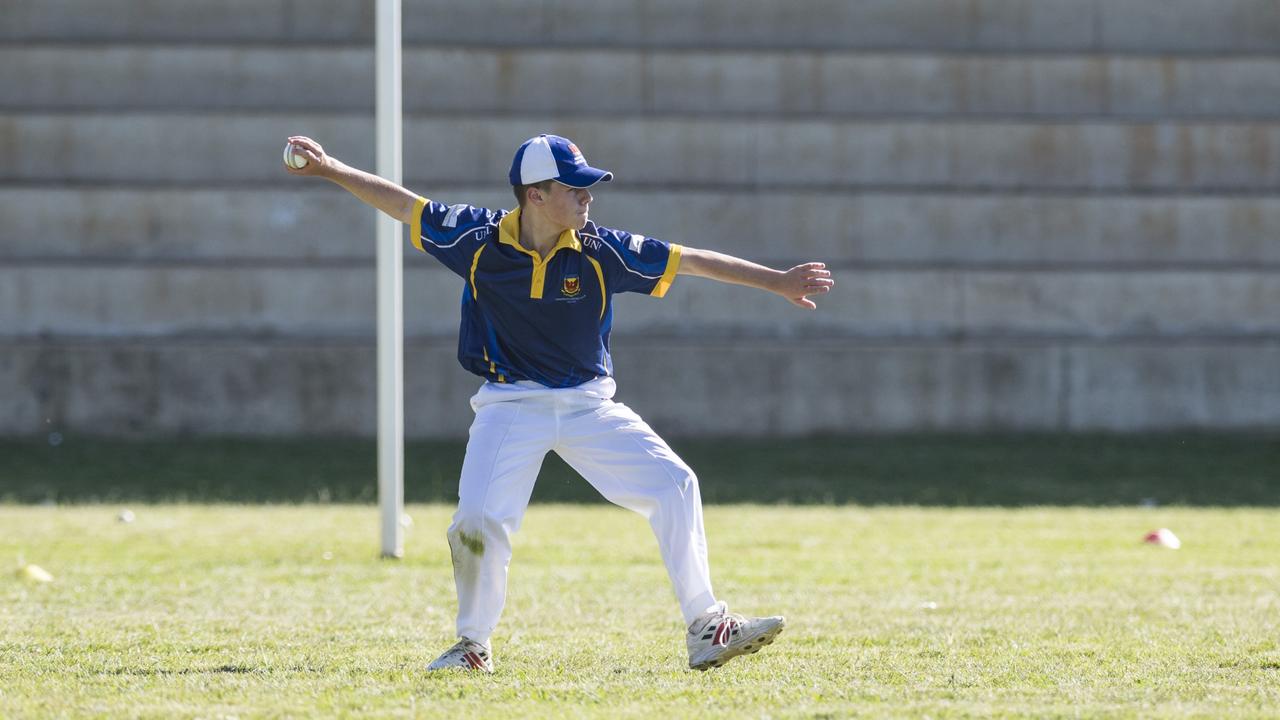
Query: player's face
x,y
567,206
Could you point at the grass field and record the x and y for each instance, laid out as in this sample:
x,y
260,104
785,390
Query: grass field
x,y
283,611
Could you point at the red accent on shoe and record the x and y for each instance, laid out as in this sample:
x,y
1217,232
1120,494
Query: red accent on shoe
x,y
722,633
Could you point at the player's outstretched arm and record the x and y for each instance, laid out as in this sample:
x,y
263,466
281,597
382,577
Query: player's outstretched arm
x,y
796,284
377,192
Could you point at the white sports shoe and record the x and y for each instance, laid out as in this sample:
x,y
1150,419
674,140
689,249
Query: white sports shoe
x,y
718,636
465,655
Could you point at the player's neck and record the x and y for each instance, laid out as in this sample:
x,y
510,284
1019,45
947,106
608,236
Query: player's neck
x,y
537,233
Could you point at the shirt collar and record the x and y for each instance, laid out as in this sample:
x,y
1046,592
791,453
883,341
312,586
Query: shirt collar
x,y
509,234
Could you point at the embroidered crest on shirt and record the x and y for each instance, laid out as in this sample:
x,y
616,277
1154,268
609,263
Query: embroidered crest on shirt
x,y
572,286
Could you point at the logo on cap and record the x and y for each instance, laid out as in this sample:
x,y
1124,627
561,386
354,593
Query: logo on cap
x,y
551,157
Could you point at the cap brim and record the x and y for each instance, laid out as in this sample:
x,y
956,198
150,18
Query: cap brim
x,y
585,177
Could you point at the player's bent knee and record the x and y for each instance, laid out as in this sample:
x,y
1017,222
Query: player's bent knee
x,y
475,529
687,481
682,490
463,544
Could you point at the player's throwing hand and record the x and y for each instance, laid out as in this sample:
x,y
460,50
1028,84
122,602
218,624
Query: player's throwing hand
x,y
311,150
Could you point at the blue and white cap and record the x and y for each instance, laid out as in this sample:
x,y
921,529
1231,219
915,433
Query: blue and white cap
x,y
551,157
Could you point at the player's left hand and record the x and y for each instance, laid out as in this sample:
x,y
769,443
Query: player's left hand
x,y
801,281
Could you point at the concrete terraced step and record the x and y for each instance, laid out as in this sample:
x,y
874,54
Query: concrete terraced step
x,y
1113,157
339,302
318,222
246,388
594,82
1145,26
168,387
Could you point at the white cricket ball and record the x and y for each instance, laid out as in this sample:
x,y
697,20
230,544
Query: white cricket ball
x,y
293,159
1163,537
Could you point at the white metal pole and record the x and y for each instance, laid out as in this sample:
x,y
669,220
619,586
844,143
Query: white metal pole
x,y
390,238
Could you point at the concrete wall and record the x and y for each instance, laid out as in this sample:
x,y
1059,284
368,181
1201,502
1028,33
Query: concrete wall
x,y
1043,214
1144,26
660,152
634,81
271,387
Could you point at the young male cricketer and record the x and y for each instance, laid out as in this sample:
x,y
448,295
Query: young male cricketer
x,y
537,309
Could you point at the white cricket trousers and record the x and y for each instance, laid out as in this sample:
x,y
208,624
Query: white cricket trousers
x,y
516,425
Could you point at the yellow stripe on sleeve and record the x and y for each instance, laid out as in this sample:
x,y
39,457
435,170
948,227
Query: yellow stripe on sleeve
x,y
475,261
604,296
673,266
415,229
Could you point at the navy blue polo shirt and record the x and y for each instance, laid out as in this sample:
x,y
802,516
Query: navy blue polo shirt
x,y
526,317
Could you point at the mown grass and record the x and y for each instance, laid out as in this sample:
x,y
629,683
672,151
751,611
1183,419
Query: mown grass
x,y
240,611
1012,470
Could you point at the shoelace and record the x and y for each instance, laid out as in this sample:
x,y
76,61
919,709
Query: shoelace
x,y
727,623
462,647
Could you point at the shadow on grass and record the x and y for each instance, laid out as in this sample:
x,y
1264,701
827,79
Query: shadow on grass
x,y
947,470
153,672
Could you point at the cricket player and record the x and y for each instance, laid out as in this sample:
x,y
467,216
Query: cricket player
x,y
537,310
